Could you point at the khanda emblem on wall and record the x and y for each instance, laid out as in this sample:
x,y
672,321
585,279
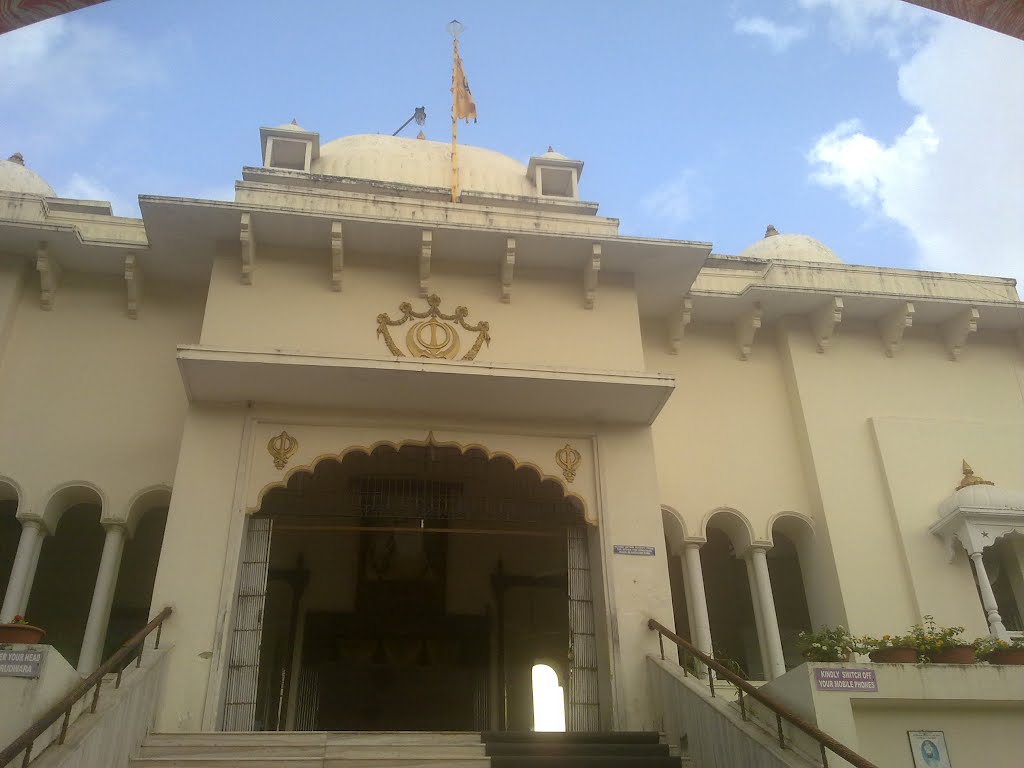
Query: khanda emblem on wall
x,y
432,333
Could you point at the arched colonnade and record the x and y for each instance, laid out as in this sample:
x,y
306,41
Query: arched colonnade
x,y
82,571
737,595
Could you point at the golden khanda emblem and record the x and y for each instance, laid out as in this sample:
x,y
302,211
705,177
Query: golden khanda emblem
x,y
433,334
568,459
281,447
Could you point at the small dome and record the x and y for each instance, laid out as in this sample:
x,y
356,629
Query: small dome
x,y
422,163
15,177
983,496
775,246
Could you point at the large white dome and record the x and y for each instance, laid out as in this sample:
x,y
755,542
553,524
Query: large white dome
x,y
15,177
422,163
790,248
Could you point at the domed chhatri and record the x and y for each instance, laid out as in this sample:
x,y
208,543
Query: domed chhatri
x,y
422,163
775,246
15,177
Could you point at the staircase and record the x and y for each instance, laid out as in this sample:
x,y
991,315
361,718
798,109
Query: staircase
x,y
405,749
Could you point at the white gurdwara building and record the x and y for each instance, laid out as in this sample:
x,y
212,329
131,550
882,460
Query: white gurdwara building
x,y
383,455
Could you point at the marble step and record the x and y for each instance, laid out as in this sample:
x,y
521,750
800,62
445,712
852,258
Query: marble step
x,y
321,738
229,760
330,749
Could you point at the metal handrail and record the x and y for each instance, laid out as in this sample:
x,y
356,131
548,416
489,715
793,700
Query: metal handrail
x,y
742,686
63,707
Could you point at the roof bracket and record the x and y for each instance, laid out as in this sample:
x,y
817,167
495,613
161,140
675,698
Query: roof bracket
x,y
677,322
956,330
337,255
426,244
247,236
133,284
892,326
508,264
746,329
590,270
49,275
824,321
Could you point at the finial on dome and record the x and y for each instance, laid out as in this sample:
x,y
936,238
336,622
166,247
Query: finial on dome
x,y
550,148
421,136
771,231
18,158
294,121
970,478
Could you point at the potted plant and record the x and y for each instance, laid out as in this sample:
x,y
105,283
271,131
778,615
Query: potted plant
x,y
996,651
941,645
20,631
889,649
828,644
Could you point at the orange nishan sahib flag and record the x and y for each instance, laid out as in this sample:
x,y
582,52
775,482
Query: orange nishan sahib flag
x,y
463,105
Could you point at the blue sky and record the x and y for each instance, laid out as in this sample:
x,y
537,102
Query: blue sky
x,y
889,132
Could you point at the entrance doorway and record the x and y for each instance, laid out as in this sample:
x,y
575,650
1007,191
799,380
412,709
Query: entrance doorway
x,y
411,588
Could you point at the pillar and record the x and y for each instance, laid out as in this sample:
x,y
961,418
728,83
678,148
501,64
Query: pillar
x,y
769,620
102,599
697,601
30,580
23,570
988,598
755,601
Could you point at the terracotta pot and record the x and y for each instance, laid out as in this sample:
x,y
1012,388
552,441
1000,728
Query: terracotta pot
x,y
1013,656
21,633
958,654
894,656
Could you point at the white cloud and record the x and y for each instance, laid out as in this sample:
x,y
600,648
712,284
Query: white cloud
x,y
63,75
779,36
895,25
81,187
955,177
674,200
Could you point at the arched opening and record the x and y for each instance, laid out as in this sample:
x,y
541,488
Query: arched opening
x,y
1004,565
674,542
548,700
408,588
790,596
730,607
10,533
66,573
133,595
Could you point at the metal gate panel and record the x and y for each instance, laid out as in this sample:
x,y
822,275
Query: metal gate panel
x,y
583,710
244,660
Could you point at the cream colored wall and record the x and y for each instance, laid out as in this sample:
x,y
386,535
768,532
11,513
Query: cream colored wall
x,y
291,306
885,437
88,395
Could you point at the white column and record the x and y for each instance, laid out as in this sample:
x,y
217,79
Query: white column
x,y
102,598
988,598
23,569
697,601
769,620
33,568
755,602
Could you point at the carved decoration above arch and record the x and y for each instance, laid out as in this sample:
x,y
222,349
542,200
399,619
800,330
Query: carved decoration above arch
x,y
433,334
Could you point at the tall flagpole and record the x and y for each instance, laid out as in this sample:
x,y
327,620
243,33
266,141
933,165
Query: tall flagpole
x,y
455,29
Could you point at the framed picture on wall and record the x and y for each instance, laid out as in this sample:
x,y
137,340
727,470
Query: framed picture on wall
x,y
929,749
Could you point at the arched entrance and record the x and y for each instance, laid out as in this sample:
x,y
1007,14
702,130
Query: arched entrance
x,y
411,588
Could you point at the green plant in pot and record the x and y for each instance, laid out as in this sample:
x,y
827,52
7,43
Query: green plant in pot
x,y
828,644
941,645
996,651
889,649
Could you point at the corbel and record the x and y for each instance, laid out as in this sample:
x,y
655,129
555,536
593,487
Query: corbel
x,y
248,240
824,321
337,255
508,264
956,330
49,275
590,271
746,328
133,284
677,322
426,243
892,326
